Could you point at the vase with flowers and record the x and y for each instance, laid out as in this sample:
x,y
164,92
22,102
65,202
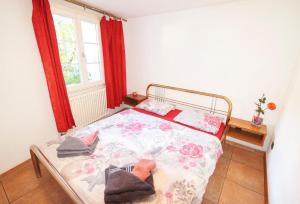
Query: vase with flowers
x,y
260,110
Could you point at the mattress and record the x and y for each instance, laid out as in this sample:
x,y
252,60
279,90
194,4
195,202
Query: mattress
x,y
185,157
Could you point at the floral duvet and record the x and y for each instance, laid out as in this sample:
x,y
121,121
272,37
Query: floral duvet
x,y
185,158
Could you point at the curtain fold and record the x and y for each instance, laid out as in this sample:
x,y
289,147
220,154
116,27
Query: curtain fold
x,y
114,61
46,39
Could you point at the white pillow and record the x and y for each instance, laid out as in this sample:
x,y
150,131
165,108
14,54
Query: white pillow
x,y
200,120
155,106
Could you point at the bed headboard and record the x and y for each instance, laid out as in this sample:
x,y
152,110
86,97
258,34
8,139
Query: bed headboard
x,y
185,98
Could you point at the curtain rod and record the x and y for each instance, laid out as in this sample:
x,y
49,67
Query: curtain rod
x,y
78,3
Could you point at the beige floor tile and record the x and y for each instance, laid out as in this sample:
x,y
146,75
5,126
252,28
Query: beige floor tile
x,y
222,166
57,194
206,201
246,176
48,193
233,193
3,199
21,181
36,196
250,158
214,188
227,150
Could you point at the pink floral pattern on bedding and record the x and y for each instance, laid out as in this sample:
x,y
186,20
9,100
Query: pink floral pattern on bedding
x,y
154,106
185,158
190,154
87,168
165,127
213,120
200,120
192,150
133,127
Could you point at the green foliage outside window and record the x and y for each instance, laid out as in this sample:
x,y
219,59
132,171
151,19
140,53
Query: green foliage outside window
x,y
66,36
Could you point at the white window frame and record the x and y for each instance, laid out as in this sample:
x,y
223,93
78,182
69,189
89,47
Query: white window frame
x,y
81,15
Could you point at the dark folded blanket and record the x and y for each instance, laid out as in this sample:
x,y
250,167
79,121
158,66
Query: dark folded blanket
x,y
73,146
122,186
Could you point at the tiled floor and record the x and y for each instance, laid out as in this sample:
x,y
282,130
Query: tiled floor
x,y
238,179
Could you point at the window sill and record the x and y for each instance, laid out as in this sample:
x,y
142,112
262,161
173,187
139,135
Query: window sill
x,y
84,88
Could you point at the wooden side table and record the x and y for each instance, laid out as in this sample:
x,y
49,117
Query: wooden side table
x,y
245,131
134,100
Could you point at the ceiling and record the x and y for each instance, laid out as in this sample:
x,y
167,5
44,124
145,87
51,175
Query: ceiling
x,y
138,8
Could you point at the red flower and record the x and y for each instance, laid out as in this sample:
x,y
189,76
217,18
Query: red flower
x,y
271,106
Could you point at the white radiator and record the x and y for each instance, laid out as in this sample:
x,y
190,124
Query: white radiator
x,y
88,106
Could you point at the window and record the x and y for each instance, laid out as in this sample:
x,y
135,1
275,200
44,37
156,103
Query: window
x,y
91,49
79,49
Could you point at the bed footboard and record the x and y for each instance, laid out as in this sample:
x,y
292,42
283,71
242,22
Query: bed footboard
x,y
37,157
35,163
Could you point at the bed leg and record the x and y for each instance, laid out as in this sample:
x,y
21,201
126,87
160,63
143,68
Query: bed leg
x,y
36,164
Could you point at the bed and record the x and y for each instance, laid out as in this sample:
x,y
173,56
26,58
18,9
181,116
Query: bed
x,y
185,157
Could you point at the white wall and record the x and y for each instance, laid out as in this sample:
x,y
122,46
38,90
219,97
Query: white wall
x,y
240,49
25,112
283,161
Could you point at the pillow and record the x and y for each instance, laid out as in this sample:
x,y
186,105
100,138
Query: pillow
x,y
155,106
200,120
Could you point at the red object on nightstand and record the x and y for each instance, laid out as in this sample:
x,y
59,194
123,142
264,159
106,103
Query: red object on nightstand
x,y
134,94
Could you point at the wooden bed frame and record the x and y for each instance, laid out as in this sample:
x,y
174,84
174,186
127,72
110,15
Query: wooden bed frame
x,y
160,93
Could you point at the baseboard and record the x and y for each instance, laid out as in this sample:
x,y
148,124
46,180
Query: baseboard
x,y
266,179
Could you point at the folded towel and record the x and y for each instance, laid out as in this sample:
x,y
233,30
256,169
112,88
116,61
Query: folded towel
x,y
62,154
111,169
90,139
59,155
73,146
143,169
122,186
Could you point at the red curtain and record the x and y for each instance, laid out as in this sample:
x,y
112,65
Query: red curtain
x,y
46,39
114,61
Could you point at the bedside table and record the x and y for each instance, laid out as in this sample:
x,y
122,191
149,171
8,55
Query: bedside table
x,y
245,131
134,100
